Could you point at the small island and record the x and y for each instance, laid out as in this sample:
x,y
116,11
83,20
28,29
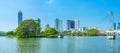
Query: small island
x,y
31,29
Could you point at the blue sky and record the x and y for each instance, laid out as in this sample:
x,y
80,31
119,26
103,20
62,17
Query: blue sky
x,y
91,13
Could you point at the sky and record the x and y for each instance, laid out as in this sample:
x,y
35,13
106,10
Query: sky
x,y
90,13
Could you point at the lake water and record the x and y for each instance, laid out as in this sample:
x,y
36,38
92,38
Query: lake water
x,y
97,44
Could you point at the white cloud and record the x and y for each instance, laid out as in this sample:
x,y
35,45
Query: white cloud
x,y
50,1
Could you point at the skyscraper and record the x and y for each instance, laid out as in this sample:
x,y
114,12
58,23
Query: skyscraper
x,y
47,26
58,24
77,24
114,26
19,17
118,26
70,24
84,29
61,25
38,20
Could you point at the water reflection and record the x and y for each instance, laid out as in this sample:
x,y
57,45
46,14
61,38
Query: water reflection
x,y
111,46
29,45
66,45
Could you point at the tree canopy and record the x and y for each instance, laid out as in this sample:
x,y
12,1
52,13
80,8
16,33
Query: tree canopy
x,y
50,31
92,32
75,33
28,28
10,33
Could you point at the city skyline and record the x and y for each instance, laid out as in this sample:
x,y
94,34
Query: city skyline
x,y
90,13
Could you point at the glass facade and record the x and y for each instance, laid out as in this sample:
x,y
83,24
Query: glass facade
x,y
19,17
58,24
70,24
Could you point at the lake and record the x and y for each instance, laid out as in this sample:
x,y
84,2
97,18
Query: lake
x,y
68,44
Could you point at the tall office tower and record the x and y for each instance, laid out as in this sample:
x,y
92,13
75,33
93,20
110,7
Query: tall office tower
x,y
114,26
118,26
83,29
58,24
118,23
19,17
70,24
61,25
47,26
38,20
77,24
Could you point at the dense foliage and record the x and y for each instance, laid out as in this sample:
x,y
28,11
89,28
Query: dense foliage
x,y
92,32
28,28
69,33
10,33
49,31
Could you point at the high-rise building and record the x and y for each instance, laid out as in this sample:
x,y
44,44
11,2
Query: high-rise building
x,y
70,24
47,26
38,20
118,26
61,25
114,26
19,17
84,29
58,24
77,24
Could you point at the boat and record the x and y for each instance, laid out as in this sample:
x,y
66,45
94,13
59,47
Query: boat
x,y
111,34
111,37
60,36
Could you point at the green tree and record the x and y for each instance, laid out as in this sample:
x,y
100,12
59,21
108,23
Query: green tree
x,y
66,33
49,31
28,28
69,33
78,33
10,33
92,32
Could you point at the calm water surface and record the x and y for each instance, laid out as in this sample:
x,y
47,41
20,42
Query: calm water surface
x,y
98,44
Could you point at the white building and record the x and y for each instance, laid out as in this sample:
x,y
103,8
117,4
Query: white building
x,y
77,24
